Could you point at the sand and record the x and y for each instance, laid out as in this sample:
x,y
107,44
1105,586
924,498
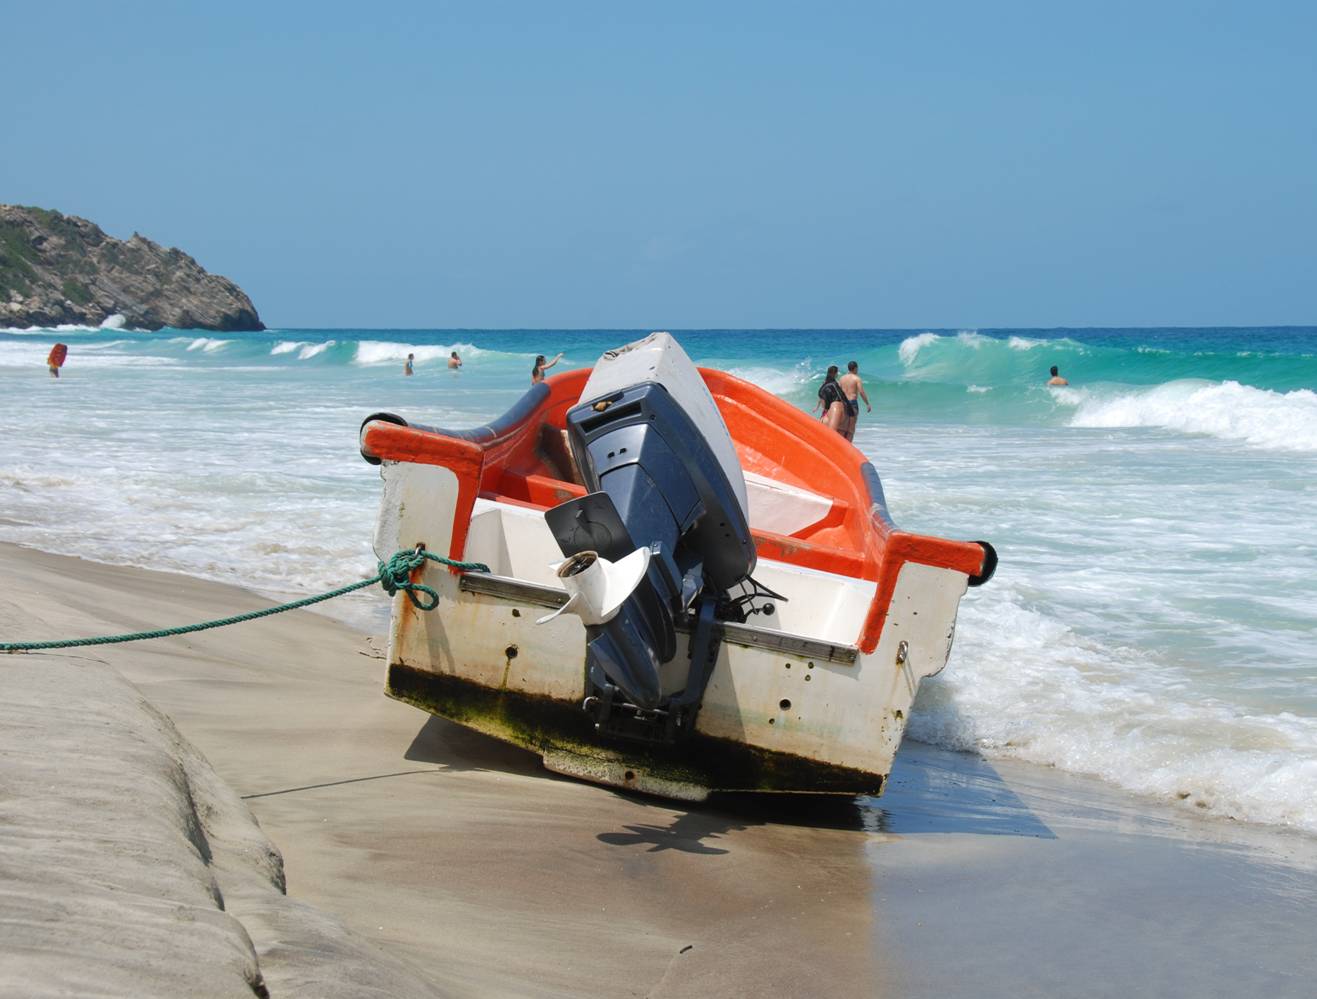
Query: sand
x,y
465,864
129,867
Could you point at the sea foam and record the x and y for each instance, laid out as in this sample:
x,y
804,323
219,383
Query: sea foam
x,y
81,355
1022,684
1230,411
390,352
114,321
47,330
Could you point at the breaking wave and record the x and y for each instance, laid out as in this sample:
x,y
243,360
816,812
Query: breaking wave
x,y
1285,421
785,382
911,346
389,352
976,358
208,344
305,349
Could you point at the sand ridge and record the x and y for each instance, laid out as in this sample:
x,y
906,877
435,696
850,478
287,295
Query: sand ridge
x,y
130,868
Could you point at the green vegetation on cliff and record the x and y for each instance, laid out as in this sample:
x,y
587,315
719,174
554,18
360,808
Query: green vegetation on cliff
x,y
58,268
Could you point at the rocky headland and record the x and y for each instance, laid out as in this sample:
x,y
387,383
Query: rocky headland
x,y
58,268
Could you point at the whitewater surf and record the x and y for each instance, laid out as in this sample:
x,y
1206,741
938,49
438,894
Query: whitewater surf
x,y
1150,622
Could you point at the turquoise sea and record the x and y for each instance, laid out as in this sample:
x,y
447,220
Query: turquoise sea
x,y
1153,619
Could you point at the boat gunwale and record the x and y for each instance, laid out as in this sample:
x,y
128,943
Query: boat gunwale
x,y
486,463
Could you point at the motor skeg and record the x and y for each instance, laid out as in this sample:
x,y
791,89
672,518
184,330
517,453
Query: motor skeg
x,y
656,483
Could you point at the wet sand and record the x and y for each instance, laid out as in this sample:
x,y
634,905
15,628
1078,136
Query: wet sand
x,y
1010,879
489,876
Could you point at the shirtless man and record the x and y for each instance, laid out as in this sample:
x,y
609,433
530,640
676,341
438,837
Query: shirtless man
x,y
852,387
1056,378
454,361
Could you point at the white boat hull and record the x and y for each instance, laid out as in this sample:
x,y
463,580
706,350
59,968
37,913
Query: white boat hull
x,y
792,704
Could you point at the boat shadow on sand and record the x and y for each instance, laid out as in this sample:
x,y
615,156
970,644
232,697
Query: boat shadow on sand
x,y
930,791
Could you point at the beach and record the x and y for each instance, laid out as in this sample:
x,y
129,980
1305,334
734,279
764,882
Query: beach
x,y
1109,790
479,873
370,316
1150,621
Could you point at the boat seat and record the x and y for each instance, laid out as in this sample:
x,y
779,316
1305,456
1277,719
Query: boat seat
x,y
780,508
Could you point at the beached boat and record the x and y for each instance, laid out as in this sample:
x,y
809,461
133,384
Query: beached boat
x,y
693,585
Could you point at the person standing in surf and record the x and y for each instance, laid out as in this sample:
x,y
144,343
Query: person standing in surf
x,y
454,361
407,365
55,359
832,400
852,387
537,372
1056,378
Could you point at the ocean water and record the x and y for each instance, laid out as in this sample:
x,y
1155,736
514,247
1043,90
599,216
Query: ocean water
x,y
1152,621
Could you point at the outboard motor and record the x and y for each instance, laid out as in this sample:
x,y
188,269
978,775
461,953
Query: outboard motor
x,y
660,538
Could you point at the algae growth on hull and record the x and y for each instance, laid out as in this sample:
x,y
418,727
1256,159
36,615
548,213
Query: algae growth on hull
x,y
557,729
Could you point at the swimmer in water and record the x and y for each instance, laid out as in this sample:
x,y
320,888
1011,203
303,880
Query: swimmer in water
x,y
55,360
407,367
852,387
454,361
833,401
1056,378
537,372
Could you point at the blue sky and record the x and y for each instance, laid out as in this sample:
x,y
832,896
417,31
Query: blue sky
x,y
690,165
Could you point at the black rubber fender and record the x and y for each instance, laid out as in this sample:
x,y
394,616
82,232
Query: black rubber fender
x,y
989,564
382,418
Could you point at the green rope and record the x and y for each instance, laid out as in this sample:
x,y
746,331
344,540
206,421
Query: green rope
x,y
393,575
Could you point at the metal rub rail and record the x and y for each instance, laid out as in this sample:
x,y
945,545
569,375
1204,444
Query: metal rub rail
x,y
539,595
